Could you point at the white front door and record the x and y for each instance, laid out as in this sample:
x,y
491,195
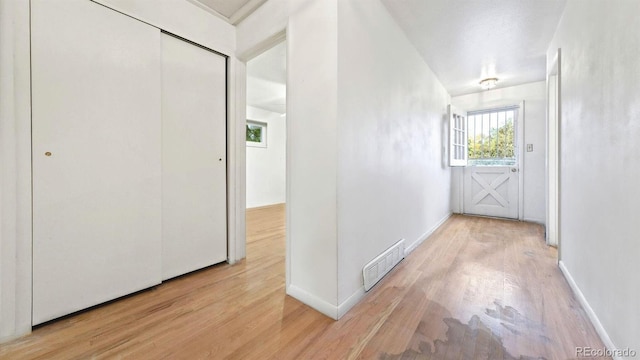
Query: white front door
x,y
491,176
491,191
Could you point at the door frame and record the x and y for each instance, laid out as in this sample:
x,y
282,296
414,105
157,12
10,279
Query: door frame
x,y
519,128
263,46
553,158
520,153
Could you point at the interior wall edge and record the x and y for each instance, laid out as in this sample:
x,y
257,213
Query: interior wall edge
x,y
15,170
350,302
313,301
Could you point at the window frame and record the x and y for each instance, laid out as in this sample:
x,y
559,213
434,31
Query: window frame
x,y
458,151
263,139
516,134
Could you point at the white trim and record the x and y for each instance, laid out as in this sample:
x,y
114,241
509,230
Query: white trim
x,y
534,220
426,235
287,169
604,336
265,45
246,10
552,184
521,145
350,302
15,170
454,112
236,150
313,301
209,10
461,187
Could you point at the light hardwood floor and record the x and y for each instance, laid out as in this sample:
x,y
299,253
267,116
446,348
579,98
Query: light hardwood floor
x,y
476,289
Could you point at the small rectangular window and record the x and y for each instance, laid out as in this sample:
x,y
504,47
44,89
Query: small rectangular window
x,y
256,133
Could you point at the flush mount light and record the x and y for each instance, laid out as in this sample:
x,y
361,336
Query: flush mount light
x,y
488,83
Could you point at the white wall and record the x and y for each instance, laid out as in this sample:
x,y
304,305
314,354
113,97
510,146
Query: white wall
x,y
533,165
266,167
600,160
15,170
392,180
177,16
374,171
311,29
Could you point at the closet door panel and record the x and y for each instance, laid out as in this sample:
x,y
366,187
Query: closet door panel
x,y
193,157
96,156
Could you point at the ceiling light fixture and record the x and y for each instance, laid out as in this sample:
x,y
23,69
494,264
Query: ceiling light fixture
x,y
488,83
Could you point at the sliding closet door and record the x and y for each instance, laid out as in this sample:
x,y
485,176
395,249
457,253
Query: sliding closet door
x,y
96,156
193,157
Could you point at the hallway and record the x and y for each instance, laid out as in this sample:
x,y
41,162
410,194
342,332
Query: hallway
x,y
478,288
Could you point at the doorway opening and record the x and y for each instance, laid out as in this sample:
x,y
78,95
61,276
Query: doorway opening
x,y
266,146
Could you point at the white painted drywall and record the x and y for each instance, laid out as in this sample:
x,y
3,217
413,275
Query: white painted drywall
x,y
312,60
600,160
177,16
392,180
312,63
15,170
266,166
375,164
532,167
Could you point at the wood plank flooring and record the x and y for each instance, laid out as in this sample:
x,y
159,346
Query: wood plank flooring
x,y
476,289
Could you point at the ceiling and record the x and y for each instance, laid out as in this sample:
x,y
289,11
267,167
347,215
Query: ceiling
x,y
231,10
267,78
464,41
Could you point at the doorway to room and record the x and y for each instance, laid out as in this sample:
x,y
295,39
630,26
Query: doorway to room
x,y
266,134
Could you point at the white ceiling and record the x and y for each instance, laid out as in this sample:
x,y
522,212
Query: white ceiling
x,y
464,41
231,10
267,78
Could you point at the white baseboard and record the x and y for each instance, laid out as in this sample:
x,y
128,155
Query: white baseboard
x,y
336,312
313,301
424,236
358,295
535,220
350,302
18,334
604,336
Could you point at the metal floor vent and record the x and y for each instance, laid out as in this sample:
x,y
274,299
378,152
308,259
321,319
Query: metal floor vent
x,y
377,268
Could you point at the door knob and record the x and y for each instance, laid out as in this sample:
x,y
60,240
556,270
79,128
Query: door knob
x,y
514,169
47,153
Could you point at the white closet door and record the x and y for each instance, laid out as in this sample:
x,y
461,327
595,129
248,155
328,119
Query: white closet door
x,y
96,156
194,202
